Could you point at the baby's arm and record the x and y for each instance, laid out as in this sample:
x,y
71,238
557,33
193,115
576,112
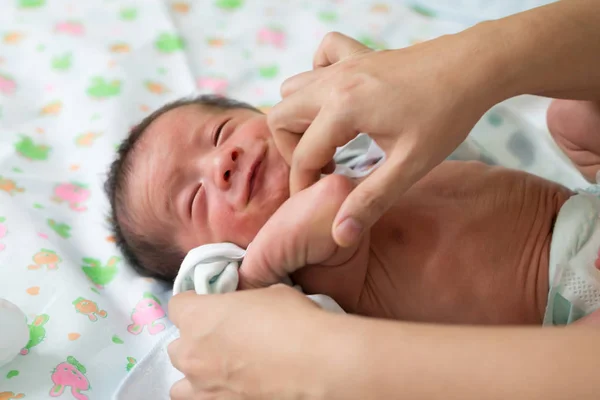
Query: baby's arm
x,y
575,126
297,240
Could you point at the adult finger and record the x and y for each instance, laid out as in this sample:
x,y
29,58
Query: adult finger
x,y
336,47
316,148
182,390
299,81
367,203
181,305
289,119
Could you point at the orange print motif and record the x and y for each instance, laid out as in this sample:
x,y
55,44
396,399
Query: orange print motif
x,y
120,48
9,186
52,108
181,7
47,258
87,139
156,87
13,37
10,395
89,308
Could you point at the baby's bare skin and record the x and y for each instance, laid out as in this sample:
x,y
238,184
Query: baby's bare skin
x,y
468,244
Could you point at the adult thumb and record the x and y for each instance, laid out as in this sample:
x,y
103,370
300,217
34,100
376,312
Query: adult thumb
x,y
366,204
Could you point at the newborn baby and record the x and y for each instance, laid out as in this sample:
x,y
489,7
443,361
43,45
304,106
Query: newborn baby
x,y
469,243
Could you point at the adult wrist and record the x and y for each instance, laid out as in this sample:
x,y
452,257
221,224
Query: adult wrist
x,y
337,370
488,68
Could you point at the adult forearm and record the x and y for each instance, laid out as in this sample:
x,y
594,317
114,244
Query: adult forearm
x,y
412,361
551,51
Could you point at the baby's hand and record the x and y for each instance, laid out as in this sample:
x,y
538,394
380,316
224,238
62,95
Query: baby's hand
x,y
297,235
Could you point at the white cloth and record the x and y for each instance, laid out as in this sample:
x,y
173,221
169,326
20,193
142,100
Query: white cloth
x,y
208,269
14,332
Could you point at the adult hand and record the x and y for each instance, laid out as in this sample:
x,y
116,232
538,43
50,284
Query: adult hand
x,y
299,235
254,344
417,103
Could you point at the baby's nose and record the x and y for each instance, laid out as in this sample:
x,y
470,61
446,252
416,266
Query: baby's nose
x,y
226,166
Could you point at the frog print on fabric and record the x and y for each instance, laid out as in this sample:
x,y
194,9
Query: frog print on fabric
x,y
62,62
269,72
37,333
31,3
99,274
63,230
128,14
229,4
130,363
169,43
70,374
89,308
100,88
32,151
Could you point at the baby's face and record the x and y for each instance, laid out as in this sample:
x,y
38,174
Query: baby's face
x,y
207,175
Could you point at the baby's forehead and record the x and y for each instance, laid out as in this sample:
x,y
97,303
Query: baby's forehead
x,y
176,124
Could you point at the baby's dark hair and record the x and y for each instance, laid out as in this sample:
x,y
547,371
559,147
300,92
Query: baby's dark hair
x,y
149,255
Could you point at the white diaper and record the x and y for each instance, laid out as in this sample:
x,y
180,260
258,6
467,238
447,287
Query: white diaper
x,y
574,279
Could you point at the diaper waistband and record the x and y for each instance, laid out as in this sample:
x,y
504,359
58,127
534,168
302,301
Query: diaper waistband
x,y
573,277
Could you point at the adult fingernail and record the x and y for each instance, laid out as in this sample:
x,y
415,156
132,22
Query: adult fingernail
x,y
348,232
